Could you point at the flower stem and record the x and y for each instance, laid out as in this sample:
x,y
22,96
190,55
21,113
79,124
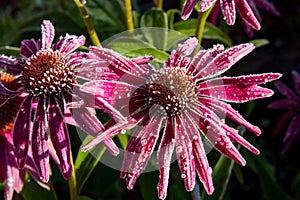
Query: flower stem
x,y
72,181
159,4
88,23
202,17
128,15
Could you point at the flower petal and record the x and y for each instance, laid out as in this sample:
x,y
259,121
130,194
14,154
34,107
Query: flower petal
x,y
285,91
184,153
296,79
28,48
228,10
227,111
284,104
59,137
178,57
40,150
268,6
11,65
236,94
21,131
164,155
69,43
247,14
225,60
6,93
206,4
187,9
47,34
142,150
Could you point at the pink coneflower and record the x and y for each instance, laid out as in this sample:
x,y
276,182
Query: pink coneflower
x,y
292,116
47,75
245,8
9,170
182,101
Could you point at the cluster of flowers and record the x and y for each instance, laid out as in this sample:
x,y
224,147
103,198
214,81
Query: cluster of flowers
x,y
184,101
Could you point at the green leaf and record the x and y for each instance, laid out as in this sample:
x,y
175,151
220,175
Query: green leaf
x,y
84,198
238,174
86,162
123,138
10,51
188,27
155,18
270,187
135,47
259,42
33,191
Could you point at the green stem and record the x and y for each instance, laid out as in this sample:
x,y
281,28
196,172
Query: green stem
x,y
159,4
88,23
72,181
128,15
202,17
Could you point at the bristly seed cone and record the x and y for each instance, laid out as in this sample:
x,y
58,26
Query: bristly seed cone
x,y
47,72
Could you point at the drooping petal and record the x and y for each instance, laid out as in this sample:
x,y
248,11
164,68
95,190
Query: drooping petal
x,y
268,6
6,93
11,65
69,43
184,153
247,14
226,110
59,137
236,94
40,150
285,91
206,4
179,57
187,9
164,155
21,131
28,48
293,128
47,34
225,60
296,79
143,150
228,10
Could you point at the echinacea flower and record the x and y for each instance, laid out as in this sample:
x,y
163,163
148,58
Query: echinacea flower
x,y
254,4
245,8
182,101
292,116
9,170
47,74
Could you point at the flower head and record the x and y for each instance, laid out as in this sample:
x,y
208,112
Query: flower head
x,y
47,76
245,8
292,104
183,101
10,172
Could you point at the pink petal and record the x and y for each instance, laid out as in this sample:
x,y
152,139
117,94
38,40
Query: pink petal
x,y
284,104
40,150
21,131
47,34
228,10
246,80
226,110
187,9
285,91
247,14
233,135
201,163
143,150
225,60
164,155
293,128
206,4
117,60
59,137
296,79
179,57
6,93
214,14
184,154
11,65
142,60
231,93
28,48
69,43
